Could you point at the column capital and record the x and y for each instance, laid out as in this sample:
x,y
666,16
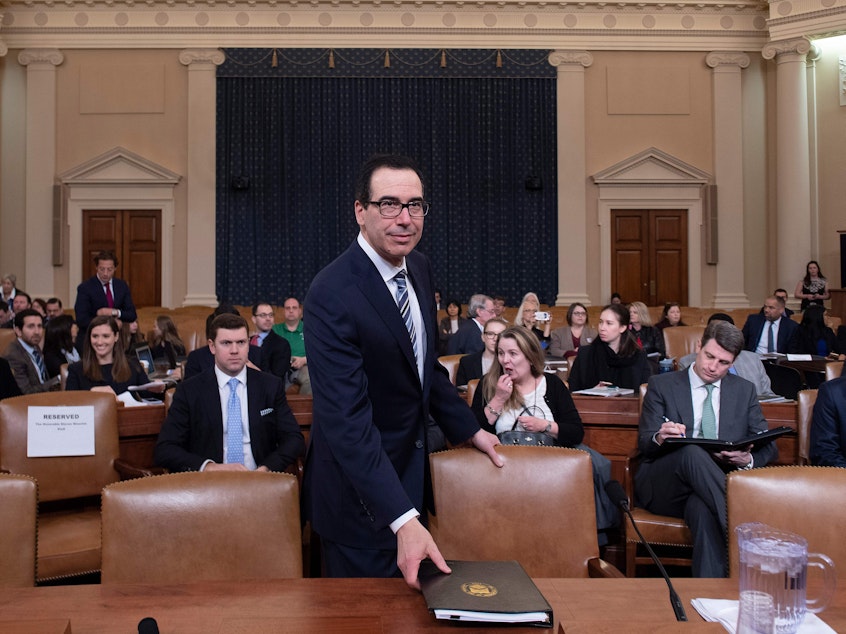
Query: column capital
x,y
40,56
190,56
560,58
798,46
716,59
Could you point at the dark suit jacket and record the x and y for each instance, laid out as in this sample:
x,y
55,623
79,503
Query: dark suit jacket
x,y
828,433
90,297
669,395
367,455
755,324
467,340
193,430
202,359
8,385
469,367
275,355
23,367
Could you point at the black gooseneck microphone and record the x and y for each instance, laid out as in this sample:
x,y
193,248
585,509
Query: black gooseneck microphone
x,y
618,496
148,625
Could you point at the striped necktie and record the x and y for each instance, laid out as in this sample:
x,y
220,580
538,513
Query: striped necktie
x,y
405,308
39,363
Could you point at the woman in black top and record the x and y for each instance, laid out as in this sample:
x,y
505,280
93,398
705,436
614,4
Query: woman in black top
x,y
613,358
60,343
166,343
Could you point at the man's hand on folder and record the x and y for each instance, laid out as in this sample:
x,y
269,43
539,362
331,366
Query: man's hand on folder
x,y
414,544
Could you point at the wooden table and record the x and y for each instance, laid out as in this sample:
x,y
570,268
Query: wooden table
x,y
351,606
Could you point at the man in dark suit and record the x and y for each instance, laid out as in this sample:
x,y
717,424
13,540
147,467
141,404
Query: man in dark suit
x,y
275,351
828,433
25,357
468,339
371,337
689,481
202,359
229,417
102,294
770,331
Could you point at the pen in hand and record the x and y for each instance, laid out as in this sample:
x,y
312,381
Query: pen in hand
x,y
667,420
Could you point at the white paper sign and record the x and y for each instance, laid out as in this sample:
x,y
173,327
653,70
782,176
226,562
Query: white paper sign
x,y
60,431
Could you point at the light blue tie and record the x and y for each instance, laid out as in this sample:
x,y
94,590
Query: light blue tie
x,y
405,309
234,427
708,428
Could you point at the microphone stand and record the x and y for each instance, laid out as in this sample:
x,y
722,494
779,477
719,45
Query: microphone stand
x,y
675,601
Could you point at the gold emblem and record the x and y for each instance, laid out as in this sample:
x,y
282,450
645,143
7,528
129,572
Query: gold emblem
x,y
479,589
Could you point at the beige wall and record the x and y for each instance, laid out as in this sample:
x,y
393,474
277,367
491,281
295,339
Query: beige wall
x,y
12,155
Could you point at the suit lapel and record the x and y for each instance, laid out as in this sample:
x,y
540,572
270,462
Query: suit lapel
x,y
214,415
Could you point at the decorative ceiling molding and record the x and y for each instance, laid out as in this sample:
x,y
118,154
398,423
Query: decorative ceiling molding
x,y
120,166
651,167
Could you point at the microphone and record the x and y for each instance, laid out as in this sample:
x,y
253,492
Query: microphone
x,y
618,496
148,625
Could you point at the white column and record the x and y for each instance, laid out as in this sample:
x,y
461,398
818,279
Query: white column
x,y
572,213
40,167
793,188
728,174
200,179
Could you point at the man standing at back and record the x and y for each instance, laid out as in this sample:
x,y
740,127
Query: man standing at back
x,y
371,336
102,294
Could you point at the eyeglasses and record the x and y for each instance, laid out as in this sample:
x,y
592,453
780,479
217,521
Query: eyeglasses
x,y
579,313
491,335
264,315
393,208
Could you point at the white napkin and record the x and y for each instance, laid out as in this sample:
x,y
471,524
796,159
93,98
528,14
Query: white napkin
x,y
724,611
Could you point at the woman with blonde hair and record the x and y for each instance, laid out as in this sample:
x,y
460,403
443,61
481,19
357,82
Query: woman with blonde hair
x,y
648,337
526,317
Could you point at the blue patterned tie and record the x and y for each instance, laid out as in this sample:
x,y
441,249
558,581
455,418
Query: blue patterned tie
x,y
234,428
39,362
708,429
405,308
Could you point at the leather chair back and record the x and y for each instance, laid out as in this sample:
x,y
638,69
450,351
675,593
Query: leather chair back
x,y
682,340
450,362
472,386
833,370
61,477
7,336
194,526
808,501
537,509
19,500
805,400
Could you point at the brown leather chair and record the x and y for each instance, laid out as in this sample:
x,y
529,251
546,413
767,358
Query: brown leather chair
x,y
682,340
538,509
472,386
450,362
194,526
805,405
809,501
68,486
657,530
19,500
7,336
833,370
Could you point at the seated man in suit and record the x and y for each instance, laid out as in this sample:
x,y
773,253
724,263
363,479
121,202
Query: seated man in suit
x,y
229,417
468,338
689,481
21,302
102,294
292,331
770,332
25,357
828,433
54,308
747,365
275,351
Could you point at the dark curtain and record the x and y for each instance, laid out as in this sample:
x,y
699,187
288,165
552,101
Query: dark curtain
x,y
288,149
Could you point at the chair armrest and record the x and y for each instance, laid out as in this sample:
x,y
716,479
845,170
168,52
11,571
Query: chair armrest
x,y
600,568
632,463
129,471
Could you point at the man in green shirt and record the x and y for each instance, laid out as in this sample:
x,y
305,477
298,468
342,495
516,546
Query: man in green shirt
x,y
292,330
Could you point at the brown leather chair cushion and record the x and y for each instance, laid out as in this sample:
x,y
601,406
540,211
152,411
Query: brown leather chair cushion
x,y
537,509
809,501
183,527
18,501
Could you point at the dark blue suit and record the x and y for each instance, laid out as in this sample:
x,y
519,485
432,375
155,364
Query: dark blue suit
x,y
90,297
467,340
755,324
193,430
367,460
828,433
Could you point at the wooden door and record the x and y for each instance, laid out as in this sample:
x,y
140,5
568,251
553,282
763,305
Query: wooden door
x,y
649,255
135,237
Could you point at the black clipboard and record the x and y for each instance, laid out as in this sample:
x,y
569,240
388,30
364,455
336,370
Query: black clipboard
x,y
715,444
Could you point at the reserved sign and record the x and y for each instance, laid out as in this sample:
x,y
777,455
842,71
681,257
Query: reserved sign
x,y
60,431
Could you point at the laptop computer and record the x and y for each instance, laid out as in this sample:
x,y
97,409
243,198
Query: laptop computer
x,y
145,356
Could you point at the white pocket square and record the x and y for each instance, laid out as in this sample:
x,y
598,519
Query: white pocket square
x,y
266,411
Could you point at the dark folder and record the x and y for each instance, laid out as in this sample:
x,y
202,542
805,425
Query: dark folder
x,y
712,444
484,591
